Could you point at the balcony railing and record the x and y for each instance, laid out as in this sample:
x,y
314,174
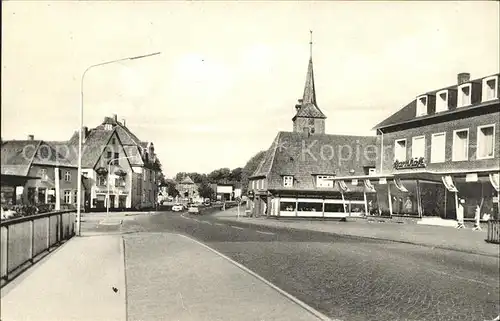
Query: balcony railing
x,y
25,240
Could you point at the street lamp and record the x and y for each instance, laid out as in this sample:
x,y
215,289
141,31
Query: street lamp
x,y
79,188
109,174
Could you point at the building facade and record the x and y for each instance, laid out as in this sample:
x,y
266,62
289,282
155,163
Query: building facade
x,y
442,148
296,178
118,164
53,178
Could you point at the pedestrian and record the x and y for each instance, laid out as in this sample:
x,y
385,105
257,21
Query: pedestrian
x,y
460,214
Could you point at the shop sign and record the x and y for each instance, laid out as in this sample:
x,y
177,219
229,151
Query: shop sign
x,y
354,182
411,163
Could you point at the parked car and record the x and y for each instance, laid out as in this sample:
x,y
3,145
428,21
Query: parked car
x,y
178,208
194,209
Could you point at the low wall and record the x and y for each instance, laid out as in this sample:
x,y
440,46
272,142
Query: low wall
x,y
25,239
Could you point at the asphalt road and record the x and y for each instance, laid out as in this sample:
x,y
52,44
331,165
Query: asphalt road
x,y
349,278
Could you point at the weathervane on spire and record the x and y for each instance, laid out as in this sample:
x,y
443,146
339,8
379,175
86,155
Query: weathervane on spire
x,y
311,44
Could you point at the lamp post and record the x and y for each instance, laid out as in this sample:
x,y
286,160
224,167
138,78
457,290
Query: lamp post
x,y
109,174
79,178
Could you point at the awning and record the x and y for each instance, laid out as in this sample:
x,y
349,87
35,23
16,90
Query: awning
x,y
368,185
343,186
495,181
448,182
399,185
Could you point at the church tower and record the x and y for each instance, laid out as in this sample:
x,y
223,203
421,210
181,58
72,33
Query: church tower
x,y
309,118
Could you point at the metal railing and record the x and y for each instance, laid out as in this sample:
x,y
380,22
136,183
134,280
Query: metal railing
x,y
493,235
23,240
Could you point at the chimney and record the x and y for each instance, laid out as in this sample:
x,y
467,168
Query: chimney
x,y
115,117
123,122
31,137
85,133
462,78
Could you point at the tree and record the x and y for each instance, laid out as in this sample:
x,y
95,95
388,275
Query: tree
x,y
205,190
235,175
250,168
171,188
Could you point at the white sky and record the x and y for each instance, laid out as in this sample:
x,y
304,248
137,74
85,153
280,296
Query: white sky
x,y
230,73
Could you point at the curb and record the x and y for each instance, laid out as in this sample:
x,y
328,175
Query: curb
x,y
366,237
303,305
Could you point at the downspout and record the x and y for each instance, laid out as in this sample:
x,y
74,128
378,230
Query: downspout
x,y
381,149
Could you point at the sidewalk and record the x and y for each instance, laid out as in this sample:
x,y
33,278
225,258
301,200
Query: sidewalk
x,y
464,240
168,277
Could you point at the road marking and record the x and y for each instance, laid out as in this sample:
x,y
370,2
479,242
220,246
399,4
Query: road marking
x,y
206,222
267,233
306,307
220,224
237,227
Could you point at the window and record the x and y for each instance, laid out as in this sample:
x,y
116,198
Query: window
x,y
31,195
108,127
422,106
464,95
42,192
490,88
120,182
43,174
117,162
75,197
67,176
438,147
101,180
485,141
288,181
418,147
324,181
67,197
113,141
144,175
461,145
311,121
109,155
400,150
442,101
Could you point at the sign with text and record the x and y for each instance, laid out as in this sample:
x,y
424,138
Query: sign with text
x,y
410,164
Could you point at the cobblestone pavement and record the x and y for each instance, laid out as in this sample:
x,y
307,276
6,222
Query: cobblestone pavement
x,y
351,278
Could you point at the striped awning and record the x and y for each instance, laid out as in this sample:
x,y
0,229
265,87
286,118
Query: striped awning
x,y
399,185
448,182
343,186
495,181
368,185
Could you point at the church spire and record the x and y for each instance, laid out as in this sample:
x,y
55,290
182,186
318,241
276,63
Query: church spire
x,y
309,89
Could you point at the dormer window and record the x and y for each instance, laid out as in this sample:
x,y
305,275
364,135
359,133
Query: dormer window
x,y
464,95
422,105
108,127
288,181
490,88
441,101
324,181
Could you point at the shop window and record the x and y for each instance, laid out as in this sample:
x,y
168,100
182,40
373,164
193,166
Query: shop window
x,y
464,94
432,196
485,141
422,106
405,203
490,88
334,208
400,150
355,208
479,197
438,147
324,181
418,147
461,145
287,206
31,195
288,181
442,101
67,197
41,195
310,207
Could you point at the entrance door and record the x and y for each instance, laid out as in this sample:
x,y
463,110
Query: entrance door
x,y
122,201
111,201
